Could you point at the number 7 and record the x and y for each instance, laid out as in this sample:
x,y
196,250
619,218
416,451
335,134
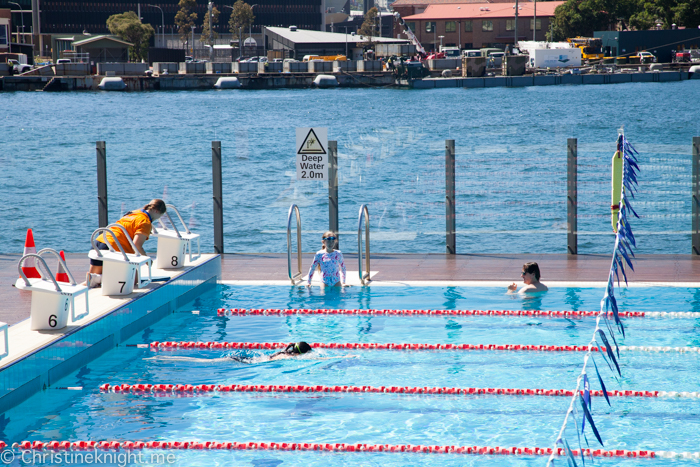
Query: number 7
x,y
123,284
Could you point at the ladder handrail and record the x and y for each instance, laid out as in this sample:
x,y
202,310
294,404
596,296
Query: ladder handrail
x,y
364,215
297,276
105,231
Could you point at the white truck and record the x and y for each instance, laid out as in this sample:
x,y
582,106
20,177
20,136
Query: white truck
x,y
451,52
19,65
554,58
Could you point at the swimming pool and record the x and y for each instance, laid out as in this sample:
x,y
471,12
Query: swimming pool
x,y
463,420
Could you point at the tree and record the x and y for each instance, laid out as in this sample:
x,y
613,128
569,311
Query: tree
x,y
688,14
205,26
580,18
242,18
128,27
185,18
369,26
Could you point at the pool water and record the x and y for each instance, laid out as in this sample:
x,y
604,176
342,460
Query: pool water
x,y
523,421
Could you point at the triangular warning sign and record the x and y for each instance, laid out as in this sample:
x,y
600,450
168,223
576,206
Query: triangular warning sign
x,y
311,144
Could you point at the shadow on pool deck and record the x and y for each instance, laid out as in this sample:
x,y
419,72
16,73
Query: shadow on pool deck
x,y
15,304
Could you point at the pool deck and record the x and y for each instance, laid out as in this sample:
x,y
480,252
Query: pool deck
x,y
409,269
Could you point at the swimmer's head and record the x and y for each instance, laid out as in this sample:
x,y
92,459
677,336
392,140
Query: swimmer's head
x,y
329,238
298,348
157,207
532,268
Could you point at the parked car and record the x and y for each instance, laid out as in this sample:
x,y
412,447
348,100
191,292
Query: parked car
x,y
471,53
646,57
63,60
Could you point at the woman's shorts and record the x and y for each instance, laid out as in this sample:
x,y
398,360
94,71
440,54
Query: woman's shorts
x,y
100,246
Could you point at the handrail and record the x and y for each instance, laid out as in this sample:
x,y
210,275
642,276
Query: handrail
x,y
107,230
364,215
164,227
297,275
48,271
61,261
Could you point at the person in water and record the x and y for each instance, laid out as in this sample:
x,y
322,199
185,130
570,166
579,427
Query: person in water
x,y
531,278
330,262
291,351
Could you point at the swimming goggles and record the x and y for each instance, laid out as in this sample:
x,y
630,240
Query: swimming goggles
x,y
328,238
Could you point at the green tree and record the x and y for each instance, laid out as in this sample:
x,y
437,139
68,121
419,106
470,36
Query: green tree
x,y
205,26
128,27
185,19
581,18
688,14
369,27
241,19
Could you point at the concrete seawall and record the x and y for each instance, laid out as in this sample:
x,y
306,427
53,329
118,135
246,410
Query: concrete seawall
x,y
190,81
551,80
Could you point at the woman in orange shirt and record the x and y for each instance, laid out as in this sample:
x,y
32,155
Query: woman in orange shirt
x,y
138,226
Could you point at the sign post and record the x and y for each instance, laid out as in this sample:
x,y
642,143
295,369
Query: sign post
x,y
312,154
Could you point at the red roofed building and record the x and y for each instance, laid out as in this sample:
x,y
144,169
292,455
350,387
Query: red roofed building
x,y
477,25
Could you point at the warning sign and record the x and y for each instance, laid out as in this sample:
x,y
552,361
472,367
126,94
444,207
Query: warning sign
x,y
312,155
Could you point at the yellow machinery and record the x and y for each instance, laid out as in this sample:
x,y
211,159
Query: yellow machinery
x,y
591,47
326,58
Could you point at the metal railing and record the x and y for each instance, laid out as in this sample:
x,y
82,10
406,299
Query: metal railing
x,y
364,215
297,275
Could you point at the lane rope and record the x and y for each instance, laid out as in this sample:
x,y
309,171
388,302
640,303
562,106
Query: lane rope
x,y
553,313
171,345
167,389
333,447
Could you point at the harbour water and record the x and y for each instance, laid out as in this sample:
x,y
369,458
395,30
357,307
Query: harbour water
x,y
511,164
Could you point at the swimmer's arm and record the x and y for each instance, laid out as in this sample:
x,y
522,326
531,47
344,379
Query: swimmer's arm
x,y
313,266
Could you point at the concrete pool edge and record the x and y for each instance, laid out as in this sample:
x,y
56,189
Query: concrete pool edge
x,y
47,363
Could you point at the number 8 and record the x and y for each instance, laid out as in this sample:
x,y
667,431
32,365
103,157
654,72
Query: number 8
x,y
173,261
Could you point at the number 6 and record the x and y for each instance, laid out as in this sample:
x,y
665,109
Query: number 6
x,y
52,321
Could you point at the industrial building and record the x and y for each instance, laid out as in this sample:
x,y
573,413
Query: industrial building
x,y
476,25
662,43
78,16
296,43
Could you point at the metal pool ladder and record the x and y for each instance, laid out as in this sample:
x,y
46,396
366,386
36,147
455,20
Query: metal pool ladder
x,y
364,215
294,277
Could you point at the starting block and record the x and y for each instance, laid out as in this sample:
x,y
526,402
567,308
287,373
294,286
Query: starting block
x,y
50,301
120,270
173,244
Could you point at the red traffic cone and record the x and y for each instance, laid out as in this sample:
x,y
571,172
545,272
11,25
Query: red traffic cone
x,y
29,267
62,275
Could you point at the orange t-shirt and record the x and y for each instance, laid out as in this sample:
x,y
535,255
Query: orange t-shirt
x,y
135,222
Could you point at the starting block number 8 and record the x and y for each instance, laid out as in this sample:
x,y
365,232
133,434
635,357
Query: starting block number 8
x,y
171,253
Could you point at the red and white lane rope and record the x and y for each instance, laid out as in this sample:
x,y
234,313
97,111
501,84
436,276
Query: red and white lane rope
x,y
332,447
171,345
166,389
328,311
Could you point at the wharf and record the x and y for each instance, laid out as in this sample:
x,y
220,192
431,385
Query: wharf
x,y
191,81
406,269
551,80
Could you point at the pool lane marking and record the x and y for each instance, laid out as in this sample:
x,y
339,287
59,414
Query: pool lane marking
x,y
407,312
176,389
332,447
169,345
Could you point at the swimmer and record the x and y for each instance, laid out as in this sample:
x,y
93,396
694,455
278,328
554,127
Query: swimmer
x,y
330,262
291,351
138,226
531,278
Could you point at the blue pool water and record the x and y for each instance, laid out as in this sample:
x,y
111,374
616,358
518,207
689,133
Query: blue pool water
x,y
631,423
511,164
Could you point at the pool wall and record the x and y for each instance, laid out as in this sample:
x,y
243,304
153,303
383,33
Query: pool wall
x,y
46,365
